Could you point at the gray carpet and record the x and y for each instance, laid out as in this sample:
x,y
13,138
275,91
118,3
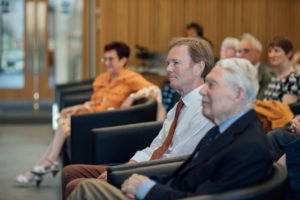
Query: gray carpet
x,y
21,146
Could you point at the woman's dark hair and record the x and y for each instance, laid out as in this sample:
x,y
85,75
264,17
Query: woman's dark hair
x,y
283,43
197,27
121,48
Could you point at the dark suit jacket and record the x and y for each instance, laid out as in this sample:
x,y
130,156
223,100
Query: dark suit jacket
x,y
292,151
264,78
238,157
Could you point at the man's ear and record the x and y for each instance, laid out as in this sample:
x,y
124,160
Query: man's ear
x,y
240,94
199,68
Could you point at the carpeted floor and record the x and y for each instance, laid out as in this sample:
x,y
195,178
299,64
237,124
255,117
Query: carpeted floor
x,y
21,145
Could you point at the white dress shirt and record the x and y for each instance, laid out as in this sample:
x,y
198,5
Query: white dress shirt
x,y
191,127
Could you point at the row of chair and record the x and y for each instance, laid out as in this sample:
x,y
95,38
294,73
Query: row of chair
x,y
114,136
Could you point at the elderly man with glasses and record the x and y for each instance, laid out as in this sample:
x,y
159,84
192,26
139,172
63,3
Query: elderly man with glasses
x,y
250,48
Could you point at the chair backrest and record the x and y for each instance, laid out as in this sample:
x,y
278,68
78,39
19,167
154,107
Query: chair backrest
x,y
81,125
119,143
271,189
62,91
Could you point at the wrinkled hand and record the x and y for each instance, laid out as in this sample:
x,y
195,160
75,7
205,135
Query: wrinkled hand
x,y
103,176
127,103
295,125
132,184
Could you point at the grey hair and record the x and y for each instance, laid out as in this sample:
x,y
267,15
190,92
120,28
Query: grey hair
x,y
231,42
255,42
241,73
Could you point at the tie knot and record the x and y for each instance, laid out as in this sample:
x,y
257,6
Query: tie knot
x,y
212,135
180,104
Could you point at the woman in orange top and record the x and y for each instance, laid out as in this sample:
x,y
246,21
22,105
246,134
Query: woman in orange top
x,y
117,88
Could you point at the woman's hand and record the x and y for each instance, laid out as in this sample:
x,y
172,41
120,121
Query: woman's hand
x,y
71,110
128,102
289,98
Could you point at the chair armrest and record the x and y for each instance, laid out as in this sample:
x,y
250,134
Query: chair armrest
x,y
81,125
273,187
116,177
119,143
149,163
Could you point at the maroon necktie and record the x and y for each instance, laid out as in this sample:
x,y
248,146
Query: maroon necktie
x,y
162,149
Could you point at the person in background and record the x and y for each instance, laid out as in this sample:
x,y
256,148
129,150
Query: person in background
x,y
189,61
232,155
285,84
195,30
117,88
229,48
250,48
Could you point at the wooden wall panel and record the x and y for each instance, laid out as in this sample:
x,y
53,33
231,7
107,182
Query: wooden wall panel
x,y
153,23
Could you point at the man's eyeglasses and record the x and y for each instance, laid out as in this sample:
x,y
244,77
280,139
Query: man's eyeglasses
x,y
109,59
245,50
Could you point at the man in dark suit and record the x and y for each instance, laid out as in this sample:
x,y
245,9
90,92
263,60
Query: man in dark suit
x,y
231,155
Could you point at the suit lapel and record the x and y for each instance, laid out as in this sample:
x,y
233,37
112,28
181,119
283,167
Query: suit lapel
x,y
220,143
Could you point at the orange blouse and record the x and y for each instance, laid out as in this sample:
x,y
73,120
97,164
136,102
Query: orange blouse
x,y
111,94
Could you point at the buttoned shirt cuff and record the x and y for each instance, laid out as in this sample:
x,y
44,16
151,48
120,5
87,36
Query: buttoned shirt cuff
x,y
144,188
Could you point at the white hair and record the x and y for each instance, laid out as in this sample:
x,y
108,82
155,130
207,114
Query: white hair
x,y
241,73
231,42
255,42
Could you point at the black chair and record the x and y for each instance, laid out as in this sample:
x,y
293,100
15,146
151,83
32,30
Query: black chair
x,y
119,143
81,125
295,108
69,94
117,174
272,188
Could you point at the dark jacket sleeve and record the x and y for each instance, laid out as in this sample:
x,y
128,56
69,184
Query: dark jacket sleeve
x,y
241,166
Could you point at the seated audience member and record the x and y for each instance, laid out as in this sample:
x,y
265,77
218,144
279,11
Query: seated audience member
x,y
231,155
296,61
229,48
280,137
250,48
194,30
189,61
169,96
117,88
285,84
284,144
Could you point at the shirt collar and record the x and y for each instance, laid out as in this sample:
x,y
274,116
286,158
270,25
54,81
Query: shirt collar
x,y
257,65
194,94
230,121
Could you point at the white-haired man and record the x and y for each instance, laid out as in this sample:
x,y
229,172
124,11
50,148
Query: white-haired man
x,y
229,47
231,155
250,48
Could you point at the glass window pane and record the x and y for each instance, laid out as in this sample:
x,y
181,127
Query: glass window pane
x,y
12,45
